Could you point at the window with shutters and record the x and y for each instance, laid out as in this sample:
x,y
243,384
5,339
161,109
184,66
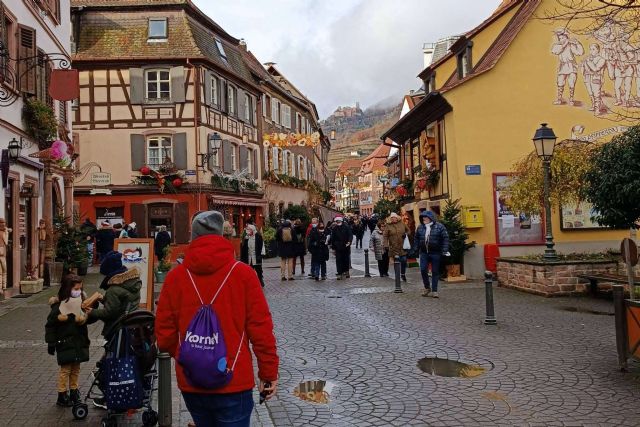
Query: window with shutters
x,y
285,164
215,96
298,123
275,110
8,25
231,100
62,113
234,158
158,85
52,8
286,116
249,161
159,150
264,105
247,108
26,63
158,28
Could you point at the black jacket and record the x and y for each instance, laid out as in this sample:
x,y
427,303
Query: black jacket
x,y
104,240
317,245
298,240
341,235
438,241
285,249
163,239
68,334
244,250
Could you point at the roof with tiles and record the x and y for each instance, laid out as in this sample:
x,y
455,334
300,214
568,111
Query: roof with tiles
x,y
350,166
376,159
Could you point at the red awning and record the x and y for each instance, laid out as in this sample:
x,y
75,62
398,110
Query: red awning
x,y
64,85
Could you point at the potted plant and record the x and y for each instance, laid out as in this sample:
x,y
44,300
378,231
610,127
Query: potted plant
x,y
458,236
71,246
40,122
269,238
163,266
31,284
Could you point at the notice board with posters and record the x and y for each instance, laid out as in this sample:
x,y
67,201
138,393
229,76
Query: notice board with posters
x,y
513,228
577,216
138,253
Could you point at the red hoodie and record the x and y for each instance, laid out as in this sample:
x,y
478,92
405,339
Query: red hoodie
x,y
241,305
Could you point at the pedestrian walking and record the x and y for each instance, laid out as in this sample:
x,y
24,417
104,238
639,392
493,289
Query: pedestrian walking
x,y
131,230
161,241
299,246
286,250
373,221
432,242
376,245
319,251
104,240
394,234
341,239
67,336
89,230
251,250
120,231
358,232
210,281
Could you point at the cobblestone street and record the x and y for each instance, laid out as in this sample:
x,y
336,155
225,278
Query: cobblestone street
x,y
546,365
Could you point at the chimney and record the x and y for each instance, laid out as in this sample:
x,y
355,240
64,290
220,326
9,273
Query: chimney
x,y
428,49
243,45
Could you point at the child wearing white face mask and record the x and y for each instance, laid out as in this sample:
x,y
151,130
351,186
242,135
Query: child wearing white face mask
x,y
66,334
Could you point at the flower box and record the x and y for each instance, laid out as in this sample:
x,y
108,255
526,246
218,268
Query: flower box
x,y
31,286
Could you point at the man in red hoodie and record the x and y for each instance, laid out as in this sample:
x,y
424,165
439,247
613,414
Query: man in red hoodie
x,y
242,310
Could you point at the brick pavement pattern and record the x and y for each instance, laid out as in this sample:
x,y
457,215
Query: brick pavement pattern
x,y
545,366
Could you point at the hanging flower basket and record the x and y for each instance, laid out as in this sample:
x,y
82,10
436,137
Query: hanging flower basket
x,y
421,184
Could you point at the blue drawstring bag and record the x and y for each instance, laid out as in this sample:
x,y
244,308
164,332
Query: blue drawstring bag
x,y
203,352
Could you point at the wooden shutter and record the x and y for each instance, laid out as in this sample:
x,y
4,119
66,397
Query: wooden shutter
x,y
293,115
181,223
227,146
138,152
255,164
139,216
275,160
254,110
177,84
244,158
27,67
222,94
241,102
180,150
207,88
136,85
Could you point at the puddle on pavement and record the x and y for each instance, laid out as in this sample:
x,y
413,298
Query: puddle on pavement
x,y
316,391
588,311
449,368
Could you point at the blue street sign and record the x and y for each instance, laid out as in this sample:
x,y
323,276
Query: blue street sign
x,y
472,169
190,172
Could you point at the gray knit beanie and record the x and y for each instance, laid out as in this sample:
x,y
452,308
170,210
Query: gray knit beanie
x,y
205,223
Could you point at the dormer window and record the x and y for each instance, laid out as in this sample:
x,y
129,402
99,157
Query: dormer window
x,y
465,64
157,28
221,51
432,83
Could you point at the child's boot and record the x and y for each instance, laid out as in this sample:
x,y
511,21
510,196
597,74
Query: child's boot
x,y
63,399
74,396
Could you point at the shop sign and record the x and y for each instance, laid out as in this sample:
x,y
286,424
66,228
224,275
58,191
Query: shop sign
x,y
190,172
472,170
100,179
111,215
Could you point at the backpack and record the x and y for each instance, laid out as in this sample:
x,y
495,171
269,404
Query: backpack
x,y
287,234
203,353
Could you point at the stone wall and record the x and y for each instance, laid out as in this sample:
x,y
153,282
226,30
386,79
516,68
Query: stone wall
x,y
551,279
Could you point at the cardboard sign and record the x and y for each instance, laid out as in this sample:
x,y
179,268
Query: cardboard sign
x,y
138,253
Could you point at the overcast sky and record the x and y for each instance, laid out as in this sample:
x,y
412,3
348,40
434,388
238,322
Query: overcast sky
x,y
338,52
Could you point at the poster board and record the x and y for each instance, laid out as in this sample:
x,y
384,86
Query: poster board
x,y
577,216
513,228
138,253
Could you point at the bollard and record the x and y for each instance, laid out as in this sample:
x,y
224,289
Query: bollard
x,y
366,263
396,269
621,326
164,390
490,319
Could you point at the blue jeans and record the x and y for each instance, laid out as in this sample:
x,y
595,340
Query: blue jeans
x,y
213,410
317,268
403,265
434,259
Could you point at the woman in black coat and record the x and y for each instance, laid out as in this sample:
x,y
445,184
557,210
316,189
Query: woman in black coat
x,y
162,240
251,250
299,248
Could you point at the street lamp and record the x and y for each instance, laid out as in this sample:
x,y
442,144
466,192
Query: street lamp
x,y
14,149
215,142
545,141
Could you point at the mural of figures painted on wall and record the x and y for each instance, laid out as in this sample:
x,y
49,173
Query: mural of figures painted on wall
x,y
609,71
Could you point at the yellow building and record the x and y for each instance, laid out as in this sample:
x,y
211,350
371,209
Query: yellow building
x,y
485,99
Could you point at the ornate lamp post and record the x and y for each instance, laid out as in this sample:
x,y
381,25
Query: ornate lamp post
x,y
215,142
545,142
14,148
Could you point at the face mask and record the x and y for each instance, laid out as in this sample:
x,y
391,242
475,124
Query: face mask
x,y
314,225
76,293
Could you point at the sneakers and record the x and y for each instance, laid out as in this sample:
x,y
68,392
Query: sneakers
x,y
435,295
324,278
339,277
291,278
403,277
63,399
317,279
100,402
347,275
426,292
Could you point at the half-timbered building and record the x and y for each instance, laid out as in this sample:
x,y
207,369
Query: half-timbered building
x,y
169,108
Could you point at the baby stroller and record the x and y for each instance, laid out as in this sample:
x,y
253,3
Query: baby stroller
x,y
127,374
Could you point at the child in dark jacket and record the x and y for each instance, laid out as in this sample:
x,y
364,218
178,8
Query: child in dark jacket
x,y
66,334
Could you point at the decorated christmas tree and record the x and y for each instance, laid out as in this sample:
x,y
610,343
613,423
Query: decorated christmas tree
x,y
457,233
71,246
